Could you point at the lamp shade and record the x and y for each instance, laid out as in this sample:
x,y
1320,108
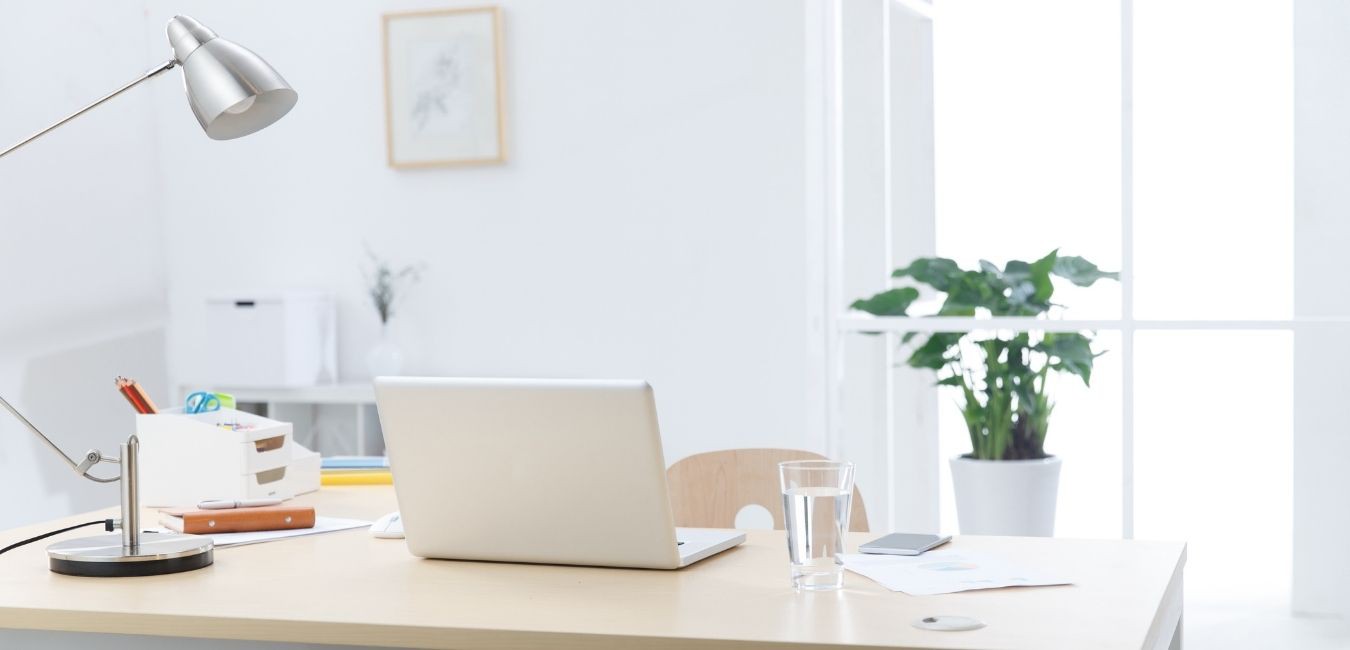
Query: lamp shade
x,y
232,91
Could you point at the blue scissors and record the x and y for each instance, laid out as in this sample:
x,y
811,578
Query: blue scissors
x,y
201,402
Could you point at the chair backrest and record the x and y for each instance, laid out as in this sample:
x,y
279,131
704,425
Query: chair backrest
x,y
708,490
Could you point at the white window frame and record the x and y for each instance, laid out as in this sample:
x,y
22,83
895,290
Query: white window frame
x,y
840,98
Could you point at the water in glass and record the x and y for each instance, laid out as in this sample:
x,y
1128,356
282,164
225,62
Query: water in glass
x,y
816,505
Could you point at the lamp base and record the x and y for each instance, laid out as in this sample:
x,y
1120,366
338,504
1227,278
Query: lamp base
x,y
103,556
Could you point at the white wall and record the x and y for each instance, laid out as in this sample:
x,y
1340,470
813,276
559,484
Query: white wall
x,y
81,260
81,234
650,222
1321,202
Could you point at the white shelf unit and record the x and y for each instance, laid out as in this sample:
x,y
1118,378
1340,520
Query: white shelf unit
x,y
300,406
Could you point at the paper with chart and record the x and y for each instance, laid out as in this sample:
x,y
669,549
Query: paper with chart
x,y
947,571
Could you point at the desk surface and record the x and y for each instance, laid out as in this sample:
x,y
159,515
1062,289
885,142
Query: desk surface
x,y
350,588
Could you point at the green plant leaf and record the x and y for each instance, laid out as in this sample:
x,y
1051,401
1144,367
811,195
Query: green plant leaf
x,y
1040,277
893,302
1069,352
1022,297
1016,271
1080,271
936,272
933,353
972,290
952,308
1001,379
1017,353
1022,291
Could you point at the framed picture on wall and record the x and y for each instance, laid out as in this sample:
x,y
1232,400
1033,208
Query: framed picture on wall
x,y
443,91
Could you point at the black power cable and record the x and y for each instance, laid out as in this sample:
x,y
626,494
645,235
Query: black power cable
x,y
106,523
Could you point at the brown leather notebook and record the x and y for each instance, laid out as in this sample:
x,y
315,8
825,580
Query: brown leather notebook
x,y
237,520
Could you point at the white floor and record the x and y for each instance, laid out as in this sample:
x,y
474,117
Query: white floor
x,y
1224,626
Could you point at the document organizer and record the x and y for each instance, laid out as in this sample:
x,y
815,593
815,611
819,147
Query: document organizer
x,y
189,458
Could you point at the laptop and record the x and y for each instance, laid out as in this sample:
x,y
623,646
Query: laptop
x,y
544,471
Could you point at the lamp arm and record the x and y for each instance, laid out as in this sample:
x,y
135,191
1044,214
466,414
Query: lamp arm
x,y
148,73
91,457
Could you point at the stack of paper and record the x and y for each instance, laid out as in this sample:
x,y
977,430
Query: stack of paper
x,y
946,571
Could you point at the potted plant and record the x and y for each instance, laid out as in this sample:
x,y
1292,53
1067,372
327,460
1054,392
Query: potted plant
x,y
1007,484
385,285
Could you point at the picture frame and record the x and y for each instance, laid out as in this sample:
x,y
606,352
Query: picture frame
x,y
443,89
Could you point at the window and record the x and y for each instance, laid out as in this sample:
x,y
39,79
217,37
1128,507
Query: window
x,y
1151,136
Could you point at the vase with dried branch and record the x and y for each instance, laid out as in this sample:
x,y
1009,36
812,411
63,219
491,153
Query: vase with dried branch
x,y
387,285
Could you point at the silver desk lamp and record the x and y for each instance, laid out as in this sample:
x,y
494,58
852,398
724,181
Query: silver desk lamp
x,y
231,90
233,93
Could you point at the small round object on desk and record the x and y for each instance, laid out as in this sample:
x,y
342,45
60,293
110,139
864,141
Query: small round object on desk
x,y
948,623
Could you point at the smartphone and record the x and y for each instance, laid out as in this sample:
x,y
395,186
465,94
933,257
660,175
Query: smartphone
x,y
904,544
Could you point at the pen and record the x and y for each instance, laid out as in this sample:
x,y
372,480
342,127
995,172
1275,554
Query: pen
x,y
223,504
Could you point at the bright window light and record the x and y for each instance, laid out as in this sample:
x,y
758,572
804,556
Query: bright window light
x,y
1213,133
1027,119
1028,158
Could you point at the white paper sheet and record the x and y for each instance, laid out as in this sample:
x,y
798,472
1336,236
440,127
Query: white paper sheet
x,y
946,571
321,525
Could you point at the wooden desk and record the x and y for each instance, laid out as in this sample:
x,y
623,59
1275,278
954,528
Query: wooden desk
x,y
350,588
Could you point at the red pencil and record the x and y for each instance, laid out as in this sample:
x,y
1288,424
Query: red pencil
x,y
135,395
145,398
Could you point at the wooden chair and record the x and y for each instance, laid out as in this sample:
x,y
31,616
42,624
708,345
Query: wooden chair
x,y
707,490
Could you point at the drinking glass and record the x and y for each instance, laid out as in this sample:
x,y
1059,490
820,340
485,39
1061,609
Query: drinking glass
x,y
817,498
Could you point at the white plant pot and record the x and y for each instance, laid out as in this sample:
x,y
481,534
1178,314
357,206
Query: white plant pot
x,y
385,359
1006,497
